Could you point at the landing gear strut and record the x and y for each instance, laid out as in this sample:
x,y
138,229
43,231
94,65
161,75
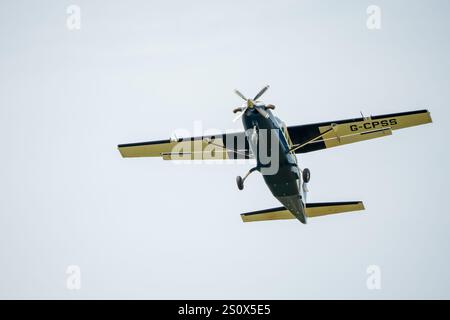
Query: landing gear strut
x,y
240,180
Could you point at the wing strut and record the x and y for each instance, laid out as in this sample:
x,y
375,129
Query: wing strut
x,y
298,146
209,142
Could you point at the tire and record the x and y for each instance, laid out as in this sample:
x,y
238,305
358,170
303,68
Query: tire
x,y
240,182
306,175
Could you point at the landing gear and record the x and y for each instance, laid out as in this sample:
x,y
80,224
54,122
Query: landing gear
x,y
306,175
240,180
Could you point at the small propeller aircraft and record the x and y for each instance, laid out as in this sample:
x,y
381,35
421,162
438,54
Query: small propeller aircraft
x,y
276,155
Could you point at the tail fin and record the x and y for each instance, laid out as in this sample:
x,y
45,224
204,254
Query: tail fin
x,y
312,210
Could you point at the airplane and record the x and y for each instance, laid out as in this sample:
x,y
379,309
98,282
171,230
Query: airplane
x,y
276,155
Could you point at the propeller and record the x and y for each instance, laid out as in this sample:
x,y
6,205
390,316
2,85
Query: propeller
x,y
251,104
240,94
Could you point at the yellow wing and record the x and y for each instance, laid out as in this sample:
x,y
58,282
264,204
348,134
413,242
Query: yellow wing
x,y
336,133
219,147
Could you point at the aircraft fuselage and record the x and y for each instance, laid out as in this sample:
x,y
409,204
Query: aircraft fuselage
x,y
281,174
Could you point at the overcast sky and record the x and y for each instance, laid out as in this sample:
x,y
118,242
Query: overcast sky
x,y
148,228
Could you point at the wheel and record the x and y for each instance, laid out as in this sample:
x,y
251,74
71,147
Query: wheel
x,y
306,175
240,182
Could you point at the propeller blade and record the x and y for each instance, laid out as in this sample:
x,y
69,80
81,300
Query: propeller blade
x,y
263,112
239,94
240,115
260,93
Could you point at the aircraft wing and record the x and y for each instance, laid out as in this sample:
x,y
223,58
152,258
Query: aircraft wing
x,y
214,147
324,135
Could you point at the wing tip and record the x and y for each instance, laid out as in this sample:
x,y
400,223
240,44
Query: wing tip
x,y
121,151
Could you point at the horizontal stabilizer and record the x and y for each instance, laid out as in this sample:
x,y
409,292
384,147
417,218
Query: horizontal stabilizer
x,y
312,210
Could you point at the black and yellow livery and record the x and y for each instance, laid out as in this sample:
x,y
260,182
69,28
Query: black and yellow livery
x,y
288,183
